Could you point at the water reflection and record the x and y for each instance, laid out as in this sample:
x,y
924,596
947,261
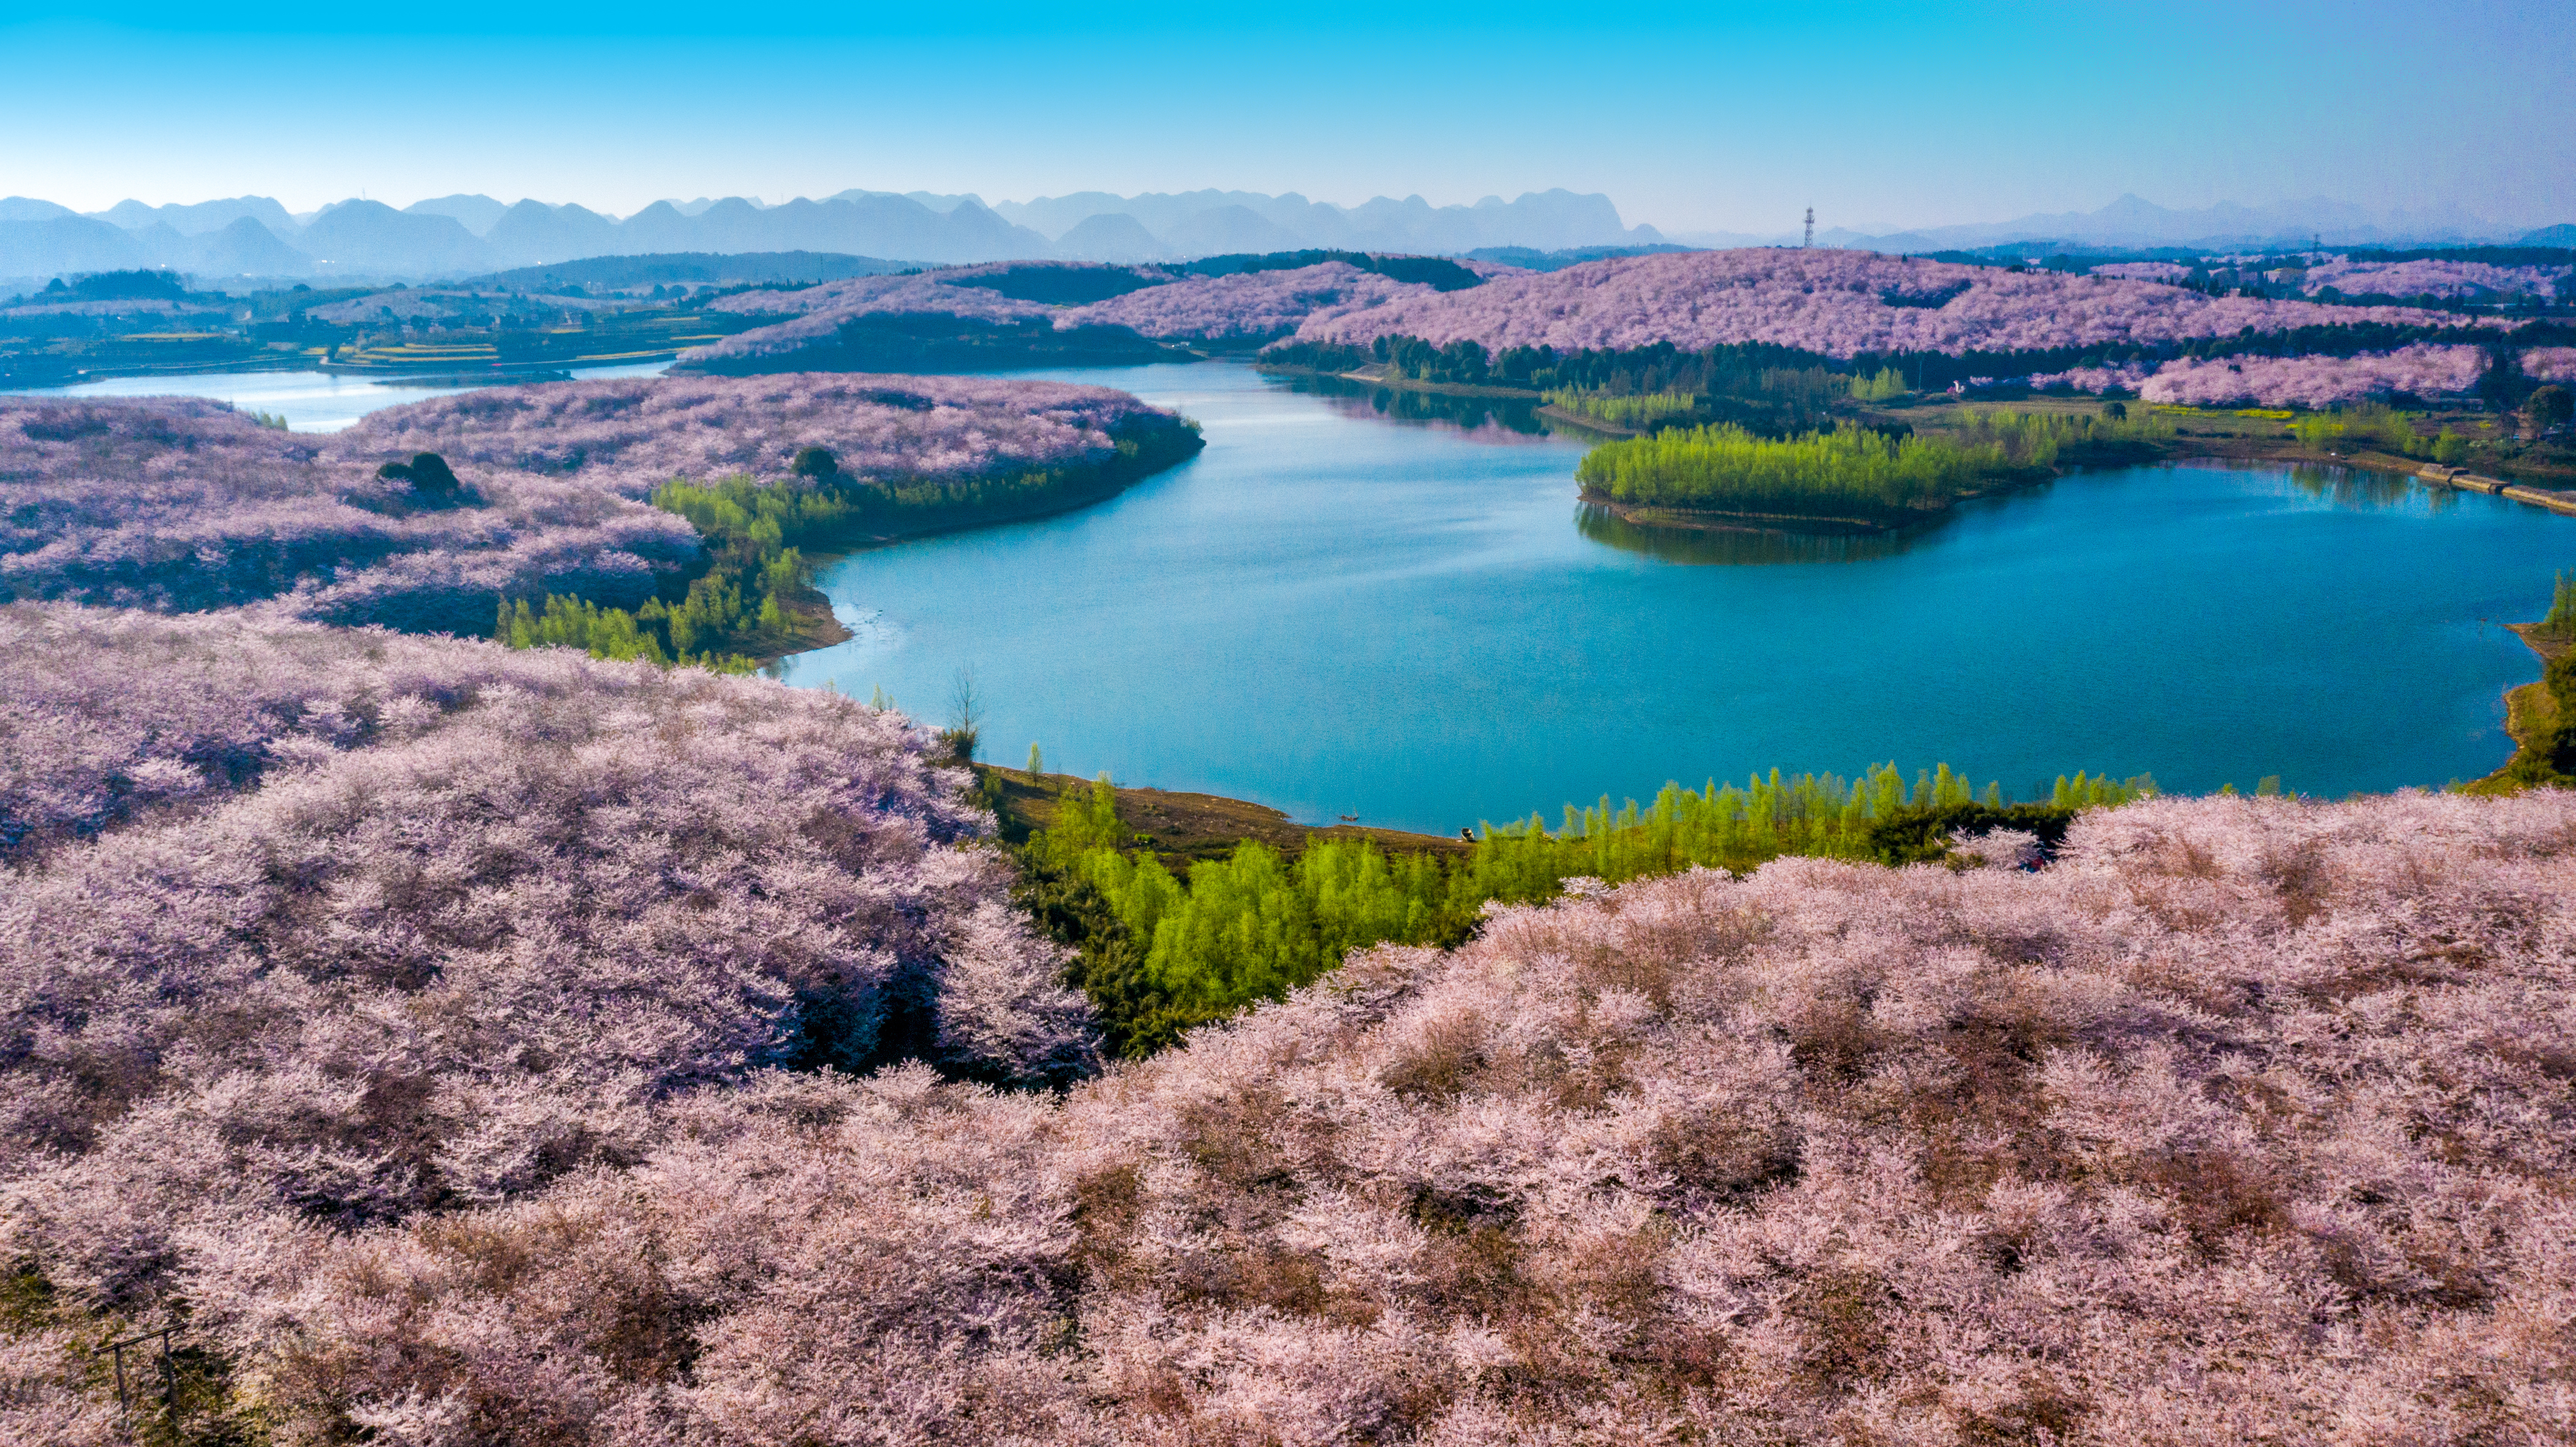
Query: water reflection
x,y
2361,487
1486,419
1731,546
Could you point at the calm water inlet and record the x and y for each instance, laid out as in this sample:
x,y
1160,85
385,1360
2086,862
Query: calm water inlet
x,y
1342,610
310,401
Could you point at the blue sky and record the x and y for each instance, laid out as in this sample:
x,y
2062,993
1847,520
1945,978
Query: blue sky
x,y
1689,117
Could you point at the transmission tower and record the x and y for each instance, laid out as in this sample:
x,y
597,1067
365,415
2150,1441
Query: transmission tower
x,y
1811,228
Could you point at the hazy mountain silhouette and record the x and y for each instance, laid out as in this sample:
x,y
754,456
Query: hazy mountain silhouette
x,y
467,234
1223,229
28,208
372,238
201,217
475,213
533,232
60,244
1110,236
245,248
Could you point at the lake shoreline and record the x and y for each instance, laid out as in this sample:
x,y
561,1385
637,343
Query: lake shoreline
x,y
1181,827
2529,710
814,623
816,626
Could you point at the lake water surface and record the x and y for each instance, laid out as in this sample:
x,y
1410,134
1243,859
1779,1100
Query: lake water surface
x,y
1350,606
1337,612
309,401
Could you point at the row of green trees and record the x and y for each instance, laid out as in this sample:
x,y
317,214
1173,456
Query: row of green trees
x,y
1854,471
2558,625
2376,425
1161,952
1638,412
1850,472
734,611
572,622
1886,385
1760,386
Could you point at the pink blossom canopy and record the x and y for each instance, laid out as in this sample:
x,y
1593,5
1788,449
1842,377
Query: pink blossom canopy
x,y
1835,303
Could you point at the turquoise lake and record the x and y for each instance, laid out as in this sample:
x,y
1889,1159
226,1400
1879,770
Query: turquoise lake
x,y
1334,610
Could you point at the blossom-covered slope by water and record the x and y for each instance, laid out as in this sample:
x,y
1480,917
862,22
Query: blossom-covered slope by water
x,y
1838,304
177,503
2242,1120
631,435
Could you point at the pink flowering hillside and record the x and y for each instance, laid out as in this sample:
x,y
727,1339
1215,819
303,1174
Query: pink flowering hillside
x,y
2551,364
1150,303
2426,371
175,503
2449,280
950,290
2244,1120
2422,370
629,436
179,504
470,922
1835,303
1247,304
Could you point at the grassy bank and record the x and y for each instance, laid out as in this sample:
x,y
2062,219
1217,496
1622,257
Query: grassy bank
x,y
2541,716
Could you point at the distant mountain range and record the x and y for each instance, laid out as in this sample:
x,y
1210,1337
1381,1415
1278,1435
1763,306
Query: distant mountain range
x,y
462,235
467,234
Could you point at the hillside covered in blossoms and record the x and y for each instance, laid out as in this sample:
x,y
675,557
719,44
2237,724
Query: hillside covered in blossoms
x,y
355,926
2151,329
179,504
2240,1119
629,436
1832,303
1078,310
